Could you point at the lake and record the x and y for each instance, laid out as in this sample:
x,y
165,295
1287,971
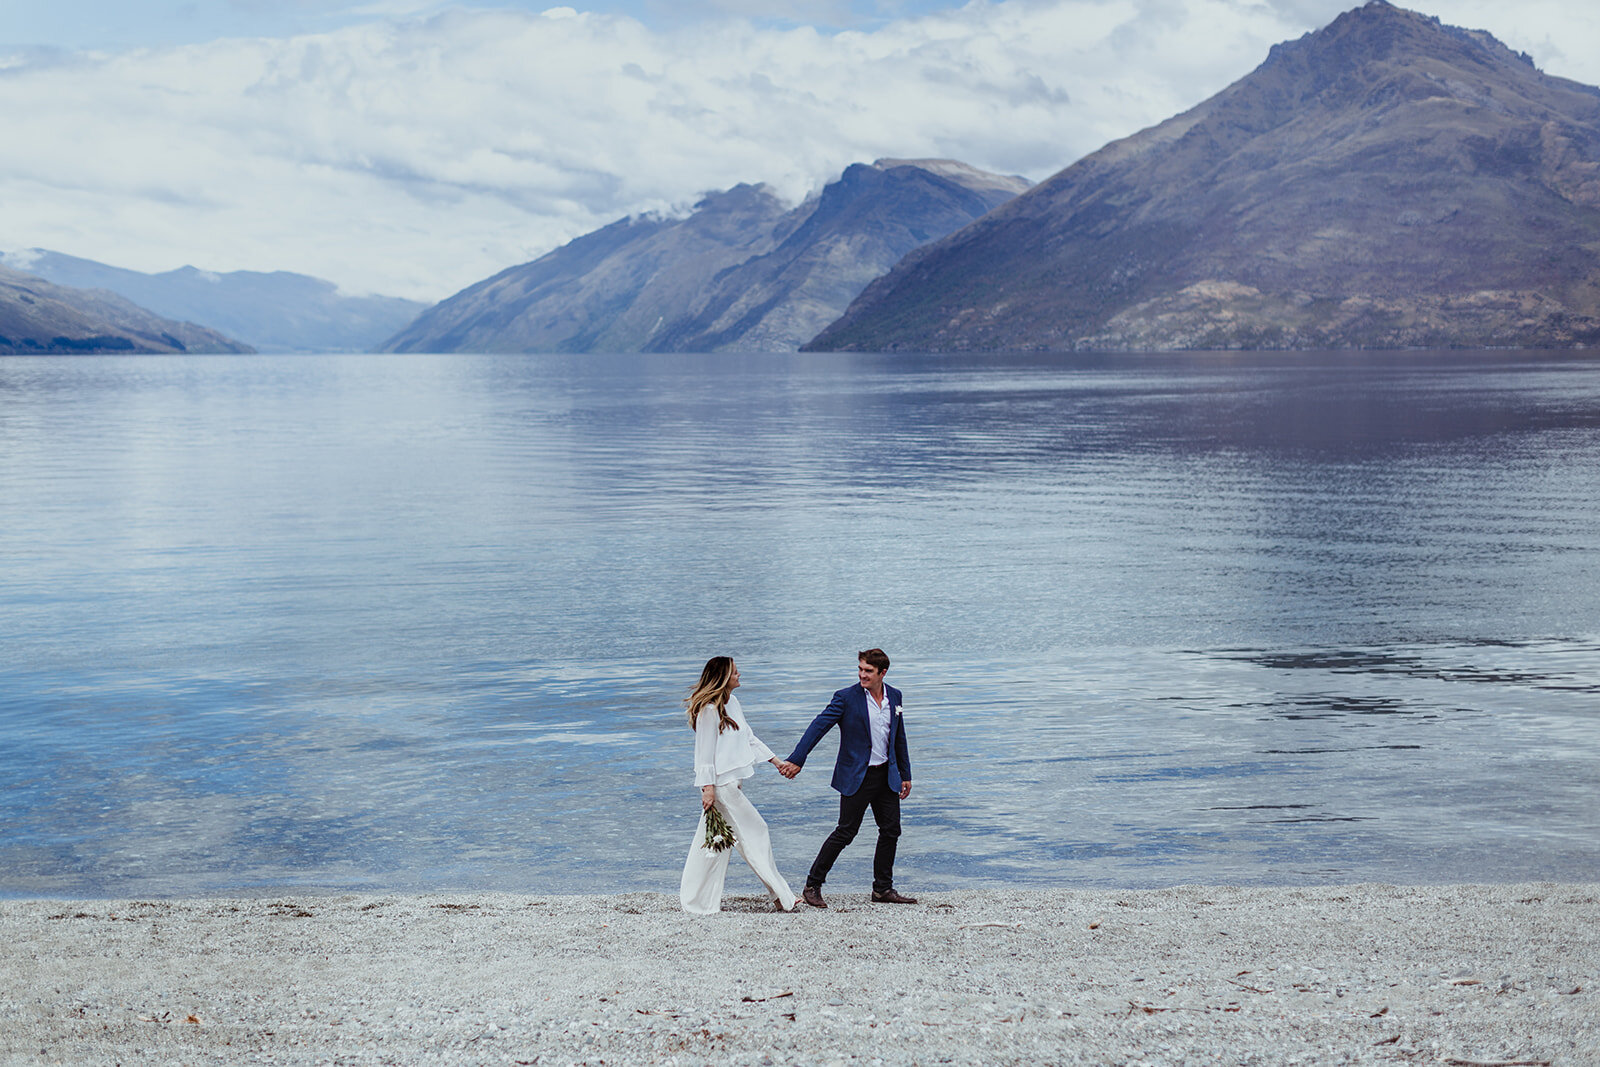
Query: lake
x,y
425,623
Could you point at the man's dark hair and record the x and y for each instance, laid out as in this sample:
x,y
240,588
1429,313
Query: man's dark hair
x,y
874,657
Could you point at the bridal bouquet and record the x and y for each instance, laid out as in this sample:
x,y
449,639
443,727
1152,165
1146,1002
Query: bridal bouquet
x,y
719,835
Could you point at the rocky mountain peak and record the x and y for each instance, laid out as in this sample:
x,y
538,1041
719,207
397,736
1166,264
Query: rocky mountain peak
x,y
742,271
1385,181
962,173
1366,54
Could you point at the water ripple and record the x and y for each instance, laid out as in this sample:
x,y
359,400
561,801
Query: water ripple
x,y
420,623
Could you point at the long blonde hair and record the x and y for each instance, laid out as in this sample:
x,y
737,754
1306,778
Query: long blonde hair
x,y
716,686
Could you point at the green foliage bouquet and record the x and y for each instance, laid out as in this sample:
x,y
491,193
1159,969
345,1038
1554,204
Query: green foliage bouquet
x,y
719,835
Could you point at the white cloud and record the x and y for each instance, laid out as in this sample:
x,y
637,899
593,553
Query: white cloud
x,y
22,259
415,157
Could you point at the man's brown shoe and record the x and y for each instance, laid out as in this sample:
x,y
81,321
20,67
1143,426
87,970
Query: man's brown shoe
x,y
890,896
813,896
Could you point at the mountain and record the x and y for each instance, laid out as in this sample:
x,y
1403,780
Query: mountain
x,y
274,312
1385,181
742,271
610,290
38,317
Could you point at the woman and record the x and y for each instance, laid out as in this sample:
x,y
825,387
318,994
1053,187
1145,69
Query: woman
x,y
725,753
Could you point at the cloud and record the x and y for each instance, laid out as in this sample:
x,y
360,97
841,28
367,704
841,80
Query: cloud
x,y
415,156
22,259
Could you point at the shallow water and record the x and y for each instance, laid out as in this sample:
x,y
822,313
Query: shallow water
x,y
423,622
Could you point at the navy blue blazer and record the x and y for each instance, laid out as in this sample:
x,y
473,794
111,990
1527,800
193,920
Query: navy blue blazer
x,y
848,710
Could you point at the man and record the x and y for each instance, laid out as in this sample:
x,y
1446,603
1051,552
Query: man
x,y
873,770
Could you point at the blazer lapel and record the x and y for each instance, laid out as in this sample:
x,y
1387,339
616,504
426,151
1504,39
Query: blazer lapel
x,y
858,702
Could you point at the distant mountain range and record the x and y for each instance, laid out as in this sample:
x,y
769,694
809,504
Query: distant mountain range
x,y
742,271
272,312
38,317
1386,181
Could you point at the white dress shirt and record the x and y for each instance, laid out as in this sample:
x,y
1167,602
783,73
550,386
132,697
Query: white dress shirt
x,y
879,714
726,757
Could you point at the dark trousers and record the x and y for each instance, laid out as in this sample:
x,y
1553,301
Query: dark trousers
x,y
885,803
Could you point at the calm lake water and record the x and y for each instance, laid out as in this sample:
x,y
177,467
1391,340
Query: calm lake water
x,y
424,623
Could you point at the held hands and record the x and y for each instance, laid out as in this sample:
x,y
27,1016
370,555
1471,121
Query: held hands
x,y
785,768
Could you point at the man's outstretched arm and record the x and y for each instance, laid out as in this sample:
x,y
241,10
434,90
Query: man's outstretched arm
x,y
825,721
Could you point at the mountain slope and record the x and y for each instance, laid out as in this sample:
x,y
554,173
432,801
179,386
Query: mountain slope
x,y
610,290
38,317
1383,182
274,312
741,272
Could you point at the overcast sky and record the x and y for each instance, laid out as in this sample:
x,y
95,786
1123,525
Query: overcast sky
x,y
412,148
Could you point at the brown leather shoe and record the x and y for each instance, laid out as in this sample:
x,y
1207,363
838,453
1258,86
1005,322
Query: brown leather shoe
x,y
813,896
890,896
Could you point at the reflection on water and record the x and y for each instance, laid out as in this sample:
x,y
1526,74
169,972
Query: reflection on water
x,y
425,622
1579,680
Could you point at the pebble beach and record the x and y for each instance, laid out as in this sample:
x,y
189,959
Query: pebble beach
x,y
1367,974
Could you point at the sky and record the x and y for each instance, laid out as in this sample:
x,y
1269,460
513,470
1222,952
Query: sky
x,y
413,147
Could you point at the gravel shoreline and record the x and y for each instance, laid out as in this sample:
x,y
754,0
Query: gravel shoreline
x,y
1365,974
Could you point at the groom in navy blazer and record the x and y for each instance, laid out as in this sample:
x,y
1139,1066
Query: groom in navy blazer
x,y
873,770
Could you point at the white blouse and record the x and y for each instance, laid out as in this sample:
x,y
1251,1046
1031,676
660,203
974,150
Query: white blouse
x,y
725,758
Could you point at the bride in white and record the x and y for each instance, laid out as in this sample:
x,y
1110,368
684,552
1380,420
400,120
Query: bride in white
x,y
725,753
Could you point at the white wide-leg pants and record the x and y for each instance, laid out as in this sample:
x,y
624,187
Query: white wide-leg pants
x,y
705,870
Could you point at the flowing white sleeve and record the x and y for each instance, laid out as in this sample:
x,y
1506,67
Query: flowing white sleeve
x,y
705,747
757,749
